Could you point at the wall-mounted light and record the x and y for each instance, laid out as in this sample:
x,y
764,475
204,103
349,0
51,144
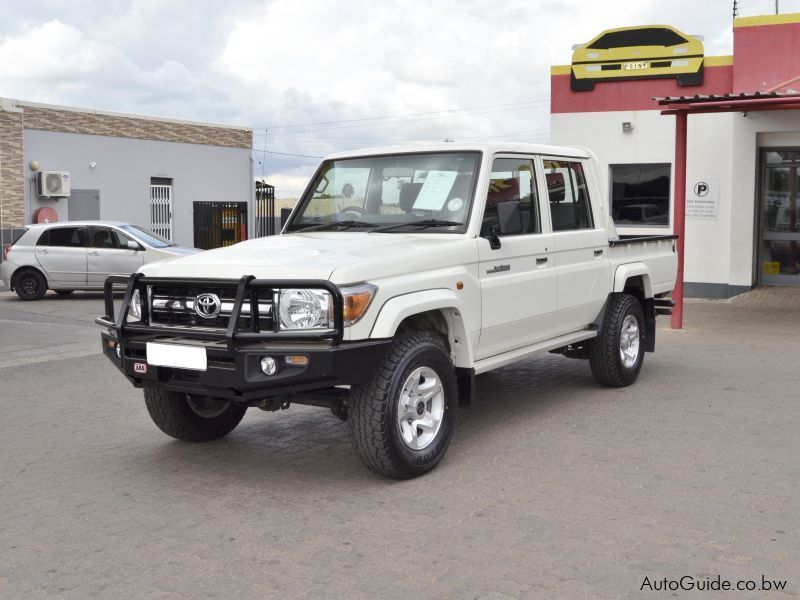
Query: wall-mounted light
x,y
34,165
92,164
627,127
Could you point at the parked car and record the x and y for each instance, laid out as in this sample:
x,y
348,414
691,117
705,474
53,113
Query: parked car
x,y
70,256
652,51
386,311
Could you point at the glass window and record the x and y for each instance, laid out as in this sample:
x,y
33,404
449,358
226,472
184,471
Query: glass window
x,y
63,236
643,36
512,180
147,236
393,192
570,208
640,194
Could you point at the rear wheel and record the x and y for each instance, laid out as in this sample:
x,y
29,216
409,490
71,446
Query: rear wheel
x,y
617,353
30,284
403,420
192,418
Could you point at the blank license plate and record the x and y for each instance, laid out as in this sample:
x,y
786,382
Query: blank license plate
x,y
179,357
635,66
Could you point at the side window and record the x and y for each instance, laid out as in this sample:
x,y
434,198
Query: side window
x,y
103,237
120,238
69,237
570,208
512,181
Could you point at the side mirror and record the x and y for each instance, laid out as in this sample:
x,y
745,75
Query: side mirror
x,y
509,218
133,245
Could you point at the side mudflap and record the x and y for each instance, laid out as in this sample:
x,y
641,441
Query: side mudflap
x,y
465,378
649,325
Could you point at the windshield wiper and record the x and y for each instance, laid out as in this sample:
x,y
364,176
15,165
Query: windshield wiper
x,y
424,224
338,224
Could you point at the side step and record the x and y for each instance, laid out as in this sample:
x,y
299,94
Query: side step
x,y
501,360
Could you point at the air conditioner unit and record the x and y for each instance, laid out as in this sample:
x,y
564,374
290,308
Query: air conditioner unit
x,y
53,184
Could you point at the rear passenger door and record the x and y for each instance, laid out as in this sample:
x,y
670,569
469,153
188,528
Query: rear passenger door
x,y
580,244
61,251
517,278
109,255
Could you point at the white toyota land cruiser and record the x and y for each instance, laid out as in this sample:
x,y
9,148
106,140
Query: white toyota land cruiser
x,y
401,275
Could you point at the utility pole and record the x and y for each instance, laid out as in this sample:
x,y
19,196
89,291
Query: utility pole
x,y
777,8
736,8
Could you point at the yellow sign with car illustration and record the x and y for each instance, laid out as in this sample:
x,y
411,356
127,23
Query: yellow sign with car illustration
x,y
644,52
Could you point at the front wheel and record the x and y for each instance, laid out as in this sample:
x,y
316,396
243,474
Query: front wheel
x,y
192,418
617,353
403,420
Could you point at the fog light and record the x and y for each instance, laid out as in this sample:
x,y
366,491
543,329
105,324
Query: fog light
x,y
268,365
297,360
118,350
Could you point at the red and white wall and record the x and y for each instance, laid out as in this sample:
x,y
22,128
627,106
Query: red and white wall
x,y
724,148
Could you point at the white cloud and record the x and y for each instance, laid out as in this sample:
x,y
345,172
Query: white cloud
x,y
272,62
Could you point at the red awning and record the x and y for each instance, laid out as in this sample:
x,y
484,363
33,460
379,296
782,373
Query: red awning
x,y
743,102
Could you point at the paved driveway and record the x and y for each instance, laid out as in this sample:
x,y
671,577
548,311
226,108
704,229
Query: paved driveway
x,y
553,488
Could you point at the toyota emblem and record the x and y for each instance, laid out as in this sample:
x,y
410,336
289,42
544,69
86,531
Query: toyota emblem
x,y
207,305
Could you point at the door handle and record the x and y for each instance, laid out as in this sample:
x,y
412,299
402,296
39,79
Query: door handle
x,y
598,252
42,251
94,253
540,260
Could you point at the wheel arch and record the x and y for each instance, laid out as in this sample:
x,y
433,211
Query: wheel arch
x,y
634,279
439,310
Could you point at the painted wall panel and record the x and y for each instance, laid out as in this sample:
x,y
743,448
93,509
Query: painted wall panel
x,y
122,172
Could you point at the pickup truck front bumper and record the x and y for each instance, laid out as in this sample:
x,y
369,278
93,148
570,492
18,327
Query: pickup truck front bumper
x,y
233,357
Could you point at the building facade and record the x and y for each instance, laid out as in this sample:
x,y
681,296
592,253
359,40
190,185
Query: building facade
x,y
187,181
743,189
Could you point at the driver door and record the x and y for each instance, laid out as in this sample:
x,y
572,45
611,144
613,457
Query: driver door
x,y
109,254
517,275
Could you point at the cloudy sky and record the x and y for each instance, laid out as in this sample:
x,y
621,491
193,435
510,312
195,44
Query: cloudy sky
x,y
458,69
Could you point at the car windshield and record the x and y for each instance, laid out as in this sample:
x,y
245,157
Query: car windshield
x,y
425,192
146,236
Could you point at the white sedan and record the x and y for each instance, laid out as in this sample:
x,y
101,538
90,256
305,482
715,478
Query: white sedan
x,y
79,255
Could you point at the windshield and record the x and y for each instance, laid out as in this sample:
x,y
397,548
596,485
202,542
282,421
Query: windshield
x,y
148,237
423,192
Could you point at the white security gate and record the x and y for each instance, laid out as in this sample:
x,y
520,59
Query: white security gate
x,y
161,210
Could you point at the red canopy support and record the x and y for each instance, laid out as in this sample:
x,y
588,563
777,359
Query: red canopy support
x,y
679,214
681,107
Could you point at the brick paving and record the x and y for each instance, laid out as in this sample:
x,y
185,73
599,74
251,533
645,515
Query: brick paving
x,y
553,487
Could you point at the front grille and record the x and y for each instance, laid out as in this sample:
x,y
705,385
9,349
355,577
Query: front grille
x,y
177,306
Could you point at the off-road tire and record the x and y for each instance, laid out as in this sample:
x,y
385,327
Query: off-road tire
x,y
373,408
173,415
604,350
30,284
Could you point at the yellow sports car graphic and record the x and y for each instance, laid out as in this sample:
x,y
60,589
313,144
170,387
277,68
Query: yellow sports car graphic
x,y
643,52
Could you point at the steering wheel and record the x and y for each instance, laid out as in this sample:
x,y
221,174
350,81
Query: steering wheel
x,y
352,211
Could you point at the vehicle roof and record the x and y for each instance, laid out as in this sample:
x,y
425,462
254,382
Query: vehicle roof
x,y
77,223
485,147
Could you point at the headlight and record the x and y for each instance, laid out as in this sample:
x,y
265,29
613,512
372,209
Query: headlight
x,y
305,309
135,311
356,301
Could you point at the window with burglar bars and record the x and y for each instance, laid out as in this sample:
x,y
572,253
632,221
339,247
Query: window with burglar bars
x,y
161,206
